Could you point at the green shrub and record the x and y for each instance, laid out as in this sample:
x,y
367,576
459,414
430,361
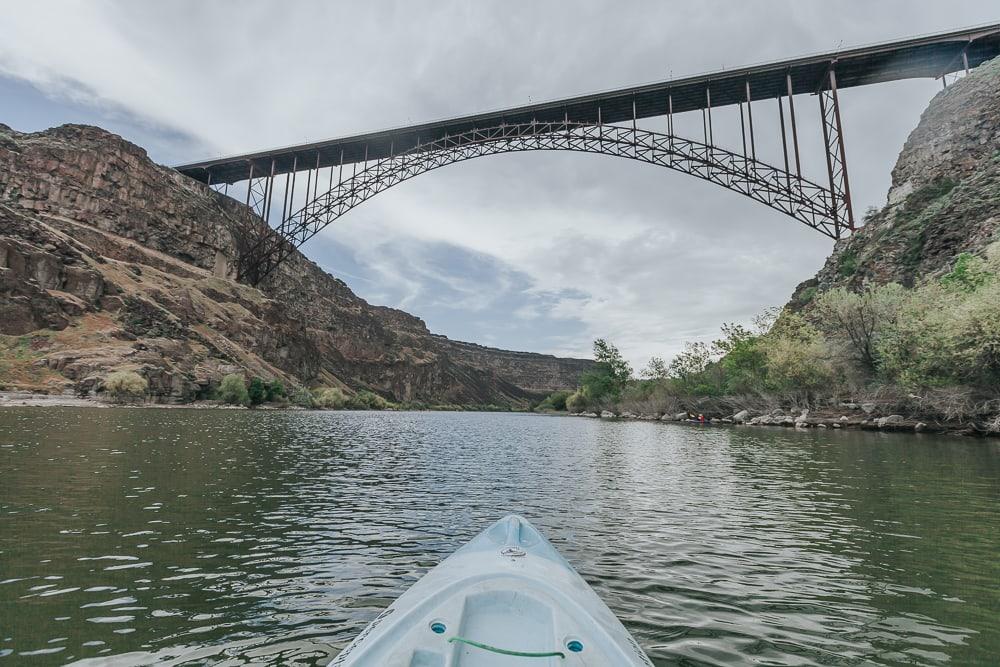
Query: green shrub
x,y
859,320
555,401
302,398
125,385
576,402
690,366
797,358
848,264
808,294
968,274
274,390
366,400
330,398
257,391
946,336
745,366
233,390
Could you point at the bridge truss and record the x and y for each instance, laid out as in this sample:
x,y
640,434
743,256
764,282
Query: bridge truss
x,y
595,124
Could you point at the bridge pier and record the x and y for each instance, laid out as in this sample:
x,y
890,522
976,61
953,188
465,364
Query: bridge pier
x,y
836,155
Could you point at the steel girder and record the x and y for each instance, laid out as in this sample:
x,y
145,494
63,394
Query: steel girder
x,y
820,208
836,156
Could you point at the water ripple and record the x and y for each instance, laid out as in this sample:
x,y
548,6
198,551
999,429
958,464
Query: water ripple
x,y
188,537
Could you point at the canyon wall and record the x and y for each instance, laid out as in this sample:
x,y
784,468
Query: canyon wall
x,y
943,200
109,261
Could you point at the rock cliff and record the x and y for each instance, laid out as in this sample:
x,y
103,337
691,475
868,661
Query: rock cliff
x,y
535,372
944,199
110,261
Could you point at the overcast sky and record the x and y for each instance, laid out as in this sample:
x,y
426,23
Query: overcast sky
x,y
537,251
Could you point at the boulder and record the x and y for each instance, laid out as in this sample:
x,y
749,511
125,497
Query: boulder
x,y
920,426
868,408
680,416
607,414
741,416
891,420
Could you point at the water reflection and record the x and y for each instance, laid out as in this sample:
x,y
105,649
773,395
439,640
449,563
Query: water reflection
x,y
199,537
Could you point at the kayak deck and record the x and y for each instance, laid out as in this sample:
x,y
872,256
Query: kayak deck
x,y
505,599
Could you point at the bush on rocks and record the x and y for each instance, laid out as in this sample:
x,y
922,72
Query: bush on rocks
x,y
233,390
329,398
302,398
125,385
555,401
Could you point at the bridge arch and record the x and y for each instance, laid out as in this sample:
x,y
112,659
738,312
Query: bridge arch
x,y
789,193
394,155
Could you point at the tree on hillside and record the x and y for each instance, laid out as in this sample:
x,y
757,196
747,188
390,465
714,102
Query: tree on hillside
x,y
861,318
233,390
690,362
605,381
257,391
608,355
656,369
796,357
733,335
275,390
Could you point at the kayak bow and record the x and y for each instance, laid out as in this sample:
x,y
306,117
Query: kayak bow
x,y
507,598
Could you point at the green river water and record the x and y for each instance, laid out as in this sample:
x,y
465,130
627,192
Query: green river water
x,y
196,537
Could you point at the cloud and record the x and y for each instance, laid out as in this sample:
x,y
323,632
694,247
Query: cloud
x,y
537,251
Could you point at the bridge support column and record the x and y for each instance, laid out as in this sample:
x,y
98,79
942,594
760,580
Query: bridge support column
x,y
249,181
710,139
269,194
842,210
795,131
784,141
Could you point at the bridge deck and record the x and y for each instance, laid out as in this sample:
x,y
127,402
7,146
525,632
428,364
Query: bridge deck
x,y
929,56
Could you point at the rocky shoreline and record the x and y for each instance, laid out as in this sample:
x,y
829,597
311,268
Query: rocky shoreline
x,y
858,416
17,399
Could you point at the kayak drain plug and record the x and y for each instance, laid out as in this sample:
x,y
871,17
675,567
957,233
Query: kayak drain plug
x,y
438,628
574,646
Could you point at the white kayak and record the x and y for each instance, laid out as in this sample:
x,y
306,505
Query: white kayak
x,y
505,599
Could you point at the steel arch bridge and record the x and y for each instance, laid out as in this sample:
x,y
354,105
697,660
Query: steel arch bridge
x,y
603,124
797,197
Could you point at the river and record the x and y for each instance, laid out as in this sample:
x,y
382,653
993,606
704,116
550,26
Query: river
x,y
131,536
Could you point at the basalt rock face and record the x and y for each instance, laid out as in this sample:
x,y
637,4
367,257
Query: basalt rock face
x,y
944,199
535,372
110,261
